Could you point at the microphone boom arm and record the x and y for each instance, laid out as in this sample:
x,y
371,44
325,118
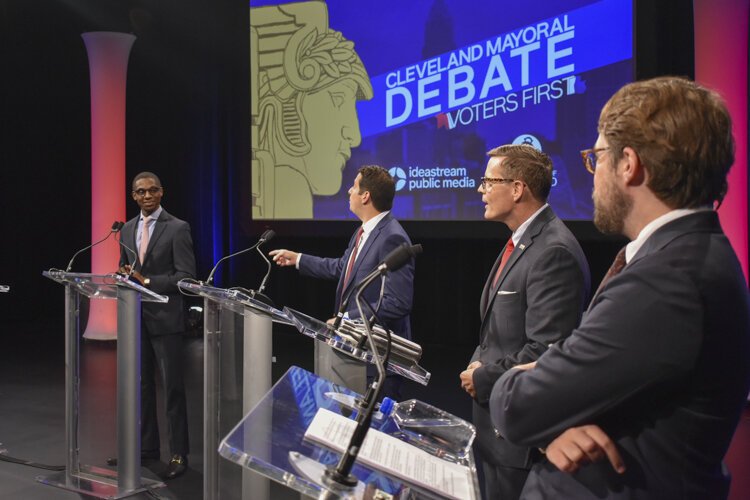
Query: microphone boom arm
x,y
341,474
116,226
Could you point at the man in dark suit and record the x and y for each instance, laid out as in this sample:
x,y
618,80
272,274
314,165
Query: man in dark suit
x,y
165,256
533,297
656,376
370,199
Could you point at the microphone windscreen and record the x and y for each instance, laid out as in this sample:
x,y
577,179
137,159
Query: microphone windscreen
x,y
401,255
117,225
268,234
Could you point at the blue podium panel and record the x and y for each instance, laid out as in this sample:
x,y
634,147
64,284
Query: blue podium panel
x,y
271,441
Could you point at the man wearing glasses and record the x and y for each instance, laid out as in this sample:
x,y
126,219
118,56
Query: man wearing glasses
x,y
163,250
657,374
533,297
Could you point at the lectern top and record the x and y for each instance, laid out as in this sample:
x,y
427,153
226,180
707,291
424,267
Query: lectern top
x,y
102,286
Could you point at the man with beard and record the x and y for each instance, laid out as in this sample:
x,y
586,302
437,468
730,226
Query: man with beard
x,y
656,376
533,297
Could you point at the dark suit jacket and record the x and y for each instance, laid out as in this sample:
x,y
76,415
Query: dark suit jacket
x,y
169,258
537,301
661,362
399,285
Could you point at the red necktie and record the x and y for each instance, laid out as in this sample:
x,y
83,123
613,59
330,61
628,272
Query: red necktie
x,y
352,258
504,260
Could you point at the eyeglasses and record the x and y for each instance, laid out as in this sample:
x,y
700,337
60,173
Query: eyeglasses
x,y
589,158
142,192
486,182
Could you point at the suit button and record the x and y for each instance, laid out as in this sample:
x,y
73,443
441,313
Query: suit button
x,y
497,434
483,347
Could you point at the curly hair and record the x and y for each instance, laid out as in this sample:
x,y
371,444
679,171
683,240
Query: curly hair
x,y
682,133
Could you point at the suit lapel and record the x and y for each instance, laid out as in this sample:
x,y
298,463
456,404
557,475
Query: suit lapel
x,y
362,254
703,221
483,304
526,241
518,252
159,228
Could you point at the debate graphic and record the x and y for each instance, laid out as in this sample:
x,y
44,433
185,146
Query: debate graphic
x,y
448,81
306,79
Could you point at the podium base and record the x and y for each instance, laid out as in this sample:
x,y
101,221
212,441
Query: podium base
x,y
99,335
96,482
317,473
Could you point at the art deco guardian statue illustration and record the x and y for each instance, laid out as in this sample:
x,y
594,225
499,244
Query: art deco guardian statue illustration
x,y
305,81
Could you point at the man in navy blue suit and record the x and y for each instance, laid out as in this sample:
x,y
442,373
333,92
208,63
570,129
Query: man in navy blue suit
x,y
370,199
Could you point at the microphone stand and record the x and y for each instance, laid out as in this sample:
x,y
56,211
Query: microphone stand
x,y
267,235
211,275
132,252
341,475
116,226
259,295
345,303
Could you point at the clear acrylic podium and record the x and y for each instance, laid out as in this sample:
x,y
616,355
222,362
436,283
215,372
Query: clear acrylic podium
x,y
221,308
86,479
271,441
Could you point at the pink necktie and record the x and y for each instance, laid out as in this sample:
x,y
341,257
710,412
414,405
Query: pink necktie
x,y
144,239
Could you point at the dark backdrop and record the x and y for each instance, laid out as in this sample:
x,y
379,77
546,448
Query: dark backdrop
x,y
187,120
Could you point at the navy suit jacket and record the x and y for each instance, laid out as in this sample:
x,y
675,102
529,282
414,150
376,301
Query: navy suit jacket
x,y
399,285
661,362
537,300
169,258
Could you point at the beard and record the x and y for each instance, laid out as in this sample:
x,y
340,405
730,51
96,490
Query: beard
x,y
610,209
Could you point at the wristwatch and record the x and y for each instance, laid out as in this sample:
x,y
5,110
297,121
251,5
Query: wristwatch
x,y
146,282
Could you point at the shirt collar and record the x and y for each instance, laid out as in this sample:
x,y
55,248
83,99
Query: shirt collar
x,y
516,236
368,226
154,216
632,248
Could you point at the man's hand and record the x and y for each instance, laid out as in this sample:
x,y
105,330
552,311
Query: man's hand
x,y
467,378
128,271
284,257
526,366
583,445
138,276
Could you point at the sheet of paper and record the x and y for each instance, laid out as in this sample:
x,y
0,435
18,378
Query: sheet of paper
x,y
393,456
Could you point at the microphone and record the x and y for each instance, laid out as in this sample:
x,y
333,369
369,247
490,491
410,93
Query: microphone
x,y
399,257
116,226
267,235
395,260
